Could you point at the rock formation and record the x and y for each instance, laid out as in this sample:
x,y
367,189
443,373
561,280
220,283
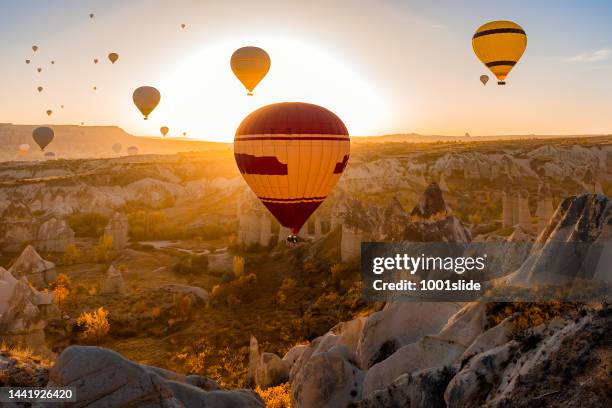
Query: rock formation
x,y
54,235
113,282
103,377
118,228
29,264
254,222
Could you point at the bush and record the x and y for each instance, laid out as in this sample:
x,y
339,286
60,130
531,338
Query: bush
x,y
276,397
103,248
71,255
95,324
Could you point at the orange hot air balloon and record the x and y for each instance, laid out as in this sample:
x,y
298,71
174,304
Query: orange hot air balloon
x,y
49,112
164,130
291,155
146,99
250,65
113,57
24,149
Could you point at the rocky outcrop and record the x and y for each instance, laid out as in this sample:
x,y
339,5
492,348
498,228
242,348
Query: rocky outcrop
x,y
54,235
30,264
104,378
199,294
24,312
113,284
118,229
431,206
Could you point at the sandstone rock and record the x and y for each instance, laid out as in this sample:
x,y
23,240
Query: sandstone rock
x,y
326,380
431,206
466,325
398,324
118,228
200,294
428,352
294,354
494,337
422,389
103,378
271,370
29,264
113,282
54,235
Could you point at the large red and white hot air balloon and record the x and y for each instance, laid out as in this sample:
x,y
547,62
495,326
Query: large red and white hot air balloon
x,y
291,155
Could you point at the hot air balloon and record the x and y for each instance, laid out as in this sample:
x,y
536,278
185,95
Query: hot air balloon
x,y
24,149
484,79
95,60
82,123
183,26
40,88
50,155
39,69
184,134
250,65
34,48
95,87
117,148
49,112
291,155
52,62
62,106
27,61
43,136
113,57
499,45
91,15
146,99
132,150
164,130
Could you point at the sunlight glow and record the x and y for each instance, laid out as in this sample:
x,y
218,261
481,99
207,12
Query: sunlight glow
x,y
201,95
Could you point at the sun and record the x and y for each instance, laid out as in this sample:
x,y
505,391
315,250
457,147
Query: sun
x,y
201,95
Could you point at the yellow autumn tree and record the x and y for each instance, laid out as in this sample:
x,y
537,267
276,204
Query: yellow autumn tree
x,y
95,324
71,255
103,249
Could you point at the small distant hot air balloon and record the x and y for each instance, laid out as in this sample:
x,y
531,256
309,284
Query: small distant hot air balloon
x,y
484,79
95,60
27,61
62,106
499,45
43,136
117,148
39,69
24,149
52,62
34,48
146,99
184,134
82,123
40,88
291,155
95,87
132,150
250,65
113,57
49,112
91,15
50,155
164,130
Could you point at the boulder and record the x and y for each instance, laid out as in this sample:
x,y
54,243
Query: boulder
x,y
113,282
271,370
428,352
103,378
326,380
200,294
294,354
422,389
398,324
30,264
54,235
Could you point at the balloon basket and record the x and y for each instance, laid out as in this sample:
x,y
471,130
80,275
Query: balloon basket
x,y
249,93
292,240
501,83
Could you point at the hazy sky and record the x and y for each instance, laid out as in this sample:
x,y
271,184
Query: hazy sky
x,y
383,66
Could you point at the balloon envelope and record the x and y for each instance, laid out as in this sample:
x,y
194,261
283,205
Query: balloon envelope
x,y
49,112
146,99
484,79
499,45
27,61
250,65
291,155
34,48
113,57
40,88
43,136
164,130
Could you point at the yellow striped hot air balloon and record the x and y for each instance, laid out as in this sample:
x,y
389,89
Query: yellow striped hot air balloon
x,y
291,155
499,45
250,65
